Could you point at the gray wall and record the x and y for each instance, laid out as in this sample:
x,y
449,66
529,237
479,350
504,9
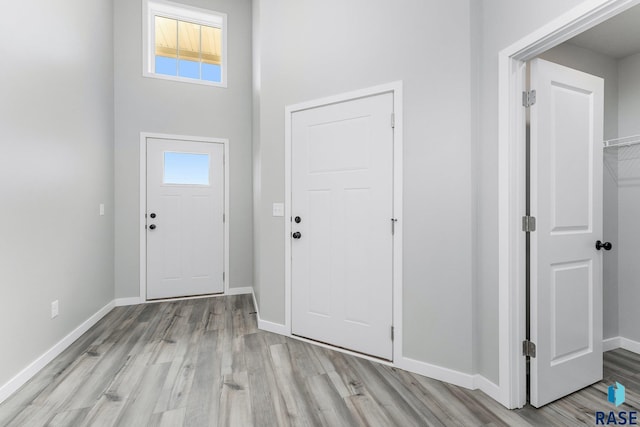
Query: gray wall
x,y
503,23
154,105
606,67
629,198
56,167
321,48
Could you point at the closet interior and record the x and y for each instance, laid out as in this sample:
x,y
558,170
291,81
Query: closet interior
x,y
611,50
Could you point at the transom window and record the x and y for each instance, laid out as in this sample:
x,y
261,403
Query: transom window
x,y
185,43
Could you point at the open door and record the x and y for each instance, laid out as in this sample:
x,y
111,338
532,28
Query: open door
x,y
566,200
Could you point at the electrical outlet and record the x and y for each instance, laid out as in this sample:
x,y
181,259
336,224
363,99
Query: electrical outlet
x,y
54,309
101,209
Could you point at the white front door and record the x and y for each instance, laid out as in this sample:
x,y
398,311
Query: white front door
x,y
342,208
566,199
185,207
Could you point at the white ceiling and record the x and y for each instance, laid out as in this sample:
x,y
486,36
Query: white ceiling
x,y
618,37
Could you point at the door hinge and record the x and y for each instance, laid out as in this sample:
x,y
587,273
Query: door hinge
x,y
224,217
393,120
528,98
223,276
393,225
392,333
528,223
528,349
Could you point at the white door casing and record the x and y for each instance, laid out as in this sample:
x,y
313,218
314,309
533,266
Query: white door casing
x,y
342,190
185,251
566,199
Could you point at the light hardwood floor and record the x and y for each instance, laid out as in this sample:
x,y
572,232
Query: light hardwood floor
x,y
203,362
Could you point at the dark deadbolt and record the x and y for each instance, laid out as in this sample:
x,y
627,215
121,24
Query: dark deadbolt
x,y
296,235
152,226
606,245
152,215
298,220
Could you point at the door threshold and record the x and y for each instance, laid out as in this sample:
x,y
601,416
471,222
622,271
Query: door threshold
x,y
221,294
344,350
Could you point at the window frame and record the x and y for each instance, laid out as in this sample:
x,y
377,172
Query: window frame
x,y
196,15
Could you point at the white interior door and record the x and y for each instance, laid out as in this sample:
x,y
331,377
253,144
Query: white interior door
x,y
185,207
342,193
566,199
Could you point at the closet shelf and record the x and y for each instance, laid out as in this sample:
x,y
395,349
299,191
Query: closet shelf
x,y
625,141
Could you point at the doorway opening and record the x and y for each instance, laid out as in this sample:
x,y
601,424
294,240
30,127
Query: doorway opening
x,y
513,195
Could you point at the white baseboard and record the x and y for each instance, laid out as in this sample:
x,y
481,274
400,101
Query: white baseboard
x,y
489,388
436,372
255,302
621,342
611,343
121,302
265,325
276,328
27,373
630,345
240,290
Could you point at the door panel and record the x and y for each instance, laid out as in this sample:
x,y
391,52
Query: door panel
x,y
185,190
566,199
342,181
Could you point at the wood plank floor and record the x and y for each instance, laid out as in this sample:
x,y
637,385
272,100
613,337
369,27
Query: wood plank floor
x,y
203,362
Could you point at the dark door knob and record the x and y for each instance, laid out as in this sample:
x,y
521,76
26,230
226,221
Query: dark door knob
x,y
152,227
606,245
296,235
152,215
298,220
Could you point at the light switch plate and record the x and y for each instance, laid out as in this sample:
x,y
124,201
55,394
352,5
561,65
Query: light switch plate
x,y
278,209
101,209
54,309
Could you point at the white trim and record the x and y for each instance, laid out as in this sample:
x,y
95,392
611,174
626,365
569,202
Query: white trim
x,y
183,13
255,301
154,301
240,290
510,189
436,372
630,345
611,343
265,325
288,111
122,302
227,217
489,388
396,89
621,342
143,201
34,367
511,251
398,186
276,328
